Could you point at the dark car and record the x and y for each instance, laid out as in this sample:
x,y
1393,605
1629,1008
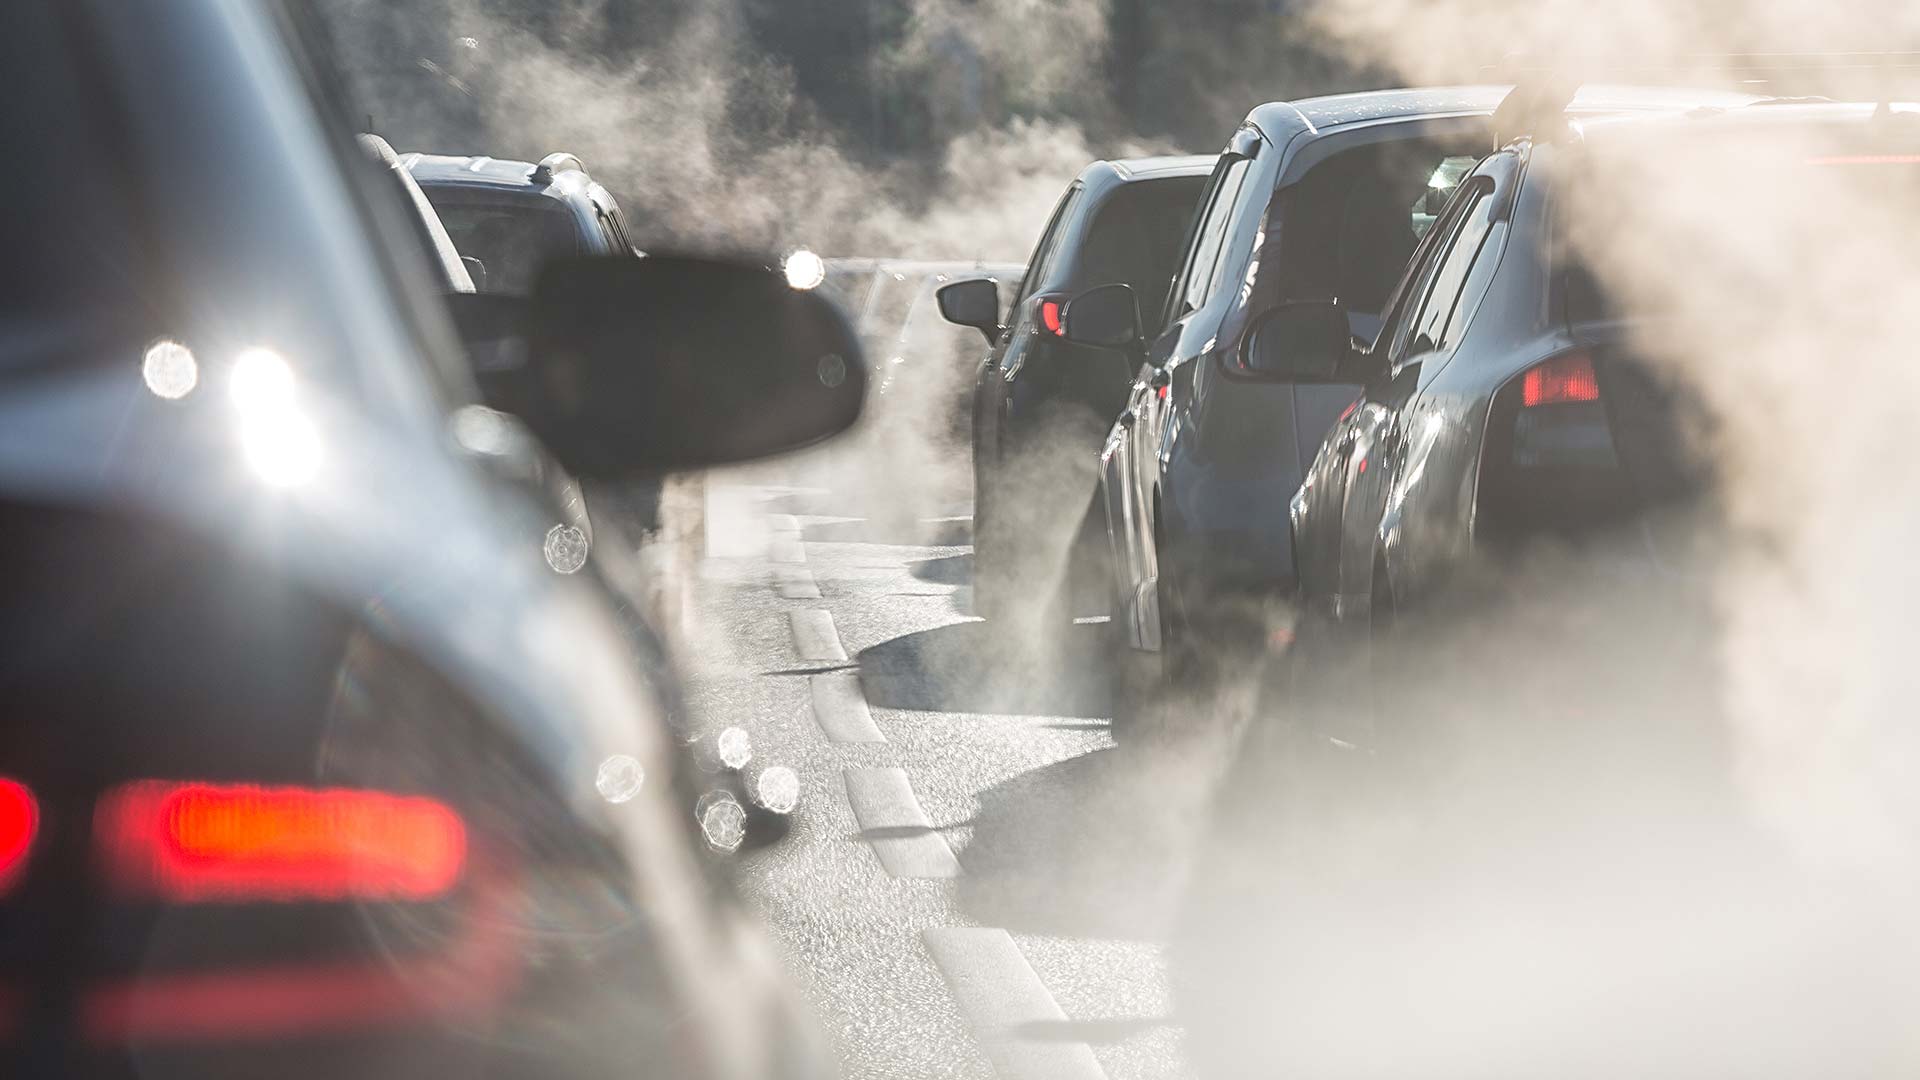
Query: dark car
x,y
511,216
1311,200
1042,403
313,767
1507,400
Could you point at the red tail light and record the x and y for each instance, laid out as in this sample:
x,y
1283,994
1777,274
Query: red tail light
x,y
1050,318
189,842
1560,380
19,821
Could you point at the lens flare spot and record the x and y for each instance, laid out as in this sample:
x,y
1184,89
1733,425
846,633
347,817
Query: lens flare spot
x,y
735,748
778,789
261,382
283,450
619,778
805,270
170,370
565,548
833,370
723,821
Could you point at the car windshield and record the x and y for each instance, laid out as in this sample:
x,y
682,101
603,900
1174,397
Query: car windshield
x,y
511,238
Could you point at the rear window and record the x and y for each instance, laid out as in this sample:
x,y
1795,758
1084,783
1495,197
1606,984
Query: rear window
x,y
1136,238
511,239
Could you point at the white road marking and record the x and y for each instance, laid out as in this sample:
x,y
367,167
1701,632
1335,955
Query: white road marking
x,y
998,991
902,837
795,583
841,710
814,637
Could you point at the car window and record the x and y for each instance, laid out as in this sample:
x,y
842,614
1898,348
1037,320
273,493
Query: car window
x,y
510,239
1135,238
1403,303
1450,278
1049,245
1197,281
1348,227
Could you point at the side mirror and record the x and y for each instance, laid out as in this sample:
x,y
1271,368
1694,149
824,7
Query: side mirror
x,y
1106,317
974,302
476,270
623,366
1299,341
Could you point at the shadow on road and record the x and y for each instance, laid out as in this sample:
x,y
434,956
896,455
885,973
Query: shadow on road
x,y
922,532
1098,845
981,667
949,570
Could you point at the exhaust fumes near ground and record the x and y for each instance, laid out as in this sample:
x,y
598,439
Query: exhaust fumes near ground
x,y
1650,830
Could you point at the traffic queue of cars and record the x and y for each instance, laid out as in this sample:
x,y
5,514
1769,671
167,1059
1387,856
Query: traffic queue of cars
x,y
317,766
1371,361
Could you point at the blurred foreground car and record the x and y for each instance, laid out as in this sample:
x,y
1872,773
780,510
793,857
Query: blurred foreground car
x,y
1314,199
1040,403
314,769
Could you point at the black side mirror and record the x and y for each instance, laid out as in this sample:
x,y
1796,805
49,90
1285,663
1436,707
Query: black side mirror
x,y
1299,341
627,365
974,302
1106,317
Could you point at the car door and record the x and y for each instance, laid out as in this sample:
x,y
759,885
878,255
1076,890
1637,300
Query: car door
x,y
1320,506
1370,447
1146,422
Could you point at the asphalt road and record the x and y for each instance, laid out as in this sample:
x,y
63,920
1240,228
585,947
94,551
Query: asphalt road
x,y
978,882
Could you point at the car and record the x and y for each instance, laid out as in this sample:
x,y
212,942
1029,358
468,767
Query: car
x,y
1508,400
314,768
1041,403
1310,200
509,216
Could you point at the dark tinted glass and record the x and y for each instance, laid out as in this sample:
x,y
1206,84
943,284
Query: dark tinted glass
x,y
510,239
1136,239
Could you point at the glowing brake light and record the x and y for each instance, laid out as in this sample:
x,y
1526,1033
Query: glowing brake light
x,y
19,821
1559,381
187,842
1050,318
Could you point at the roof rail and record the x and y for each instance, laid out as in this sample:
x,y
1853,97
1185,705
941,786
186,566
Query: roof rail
x,y
557,162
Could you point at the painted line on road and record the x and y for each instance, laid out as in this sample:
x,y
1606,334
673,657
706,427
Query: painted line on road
x,y
788,549
901,835
814,636
795,583
999,992
840,708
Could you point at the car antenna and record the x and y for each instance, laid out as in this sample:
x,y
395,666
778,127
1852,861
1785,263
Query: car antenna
x,y
1536,106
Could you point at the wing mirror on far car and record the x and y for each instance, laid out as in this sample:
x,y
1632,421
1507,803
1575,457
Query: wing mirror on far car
x,y
624,366
1106,317
1299,341
974,302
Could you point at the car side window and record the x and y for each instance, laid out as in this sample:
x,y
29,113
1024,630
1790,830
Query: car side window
x,y
1199,278
1048,247
1450,277
1403,304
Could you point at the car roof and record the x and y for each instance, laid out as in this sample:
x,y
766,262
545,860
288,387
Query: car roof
x,y
497,174
1150,168
1332,111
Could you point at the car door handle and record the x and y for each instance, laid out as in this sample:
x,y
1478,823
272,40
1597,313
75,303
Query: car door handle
x,y
1125,419
1158,379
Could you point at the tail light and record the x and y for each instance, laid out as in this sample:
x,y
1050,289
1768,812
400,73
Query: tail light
x,y
19,822
1562,380
194,842
1050,317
